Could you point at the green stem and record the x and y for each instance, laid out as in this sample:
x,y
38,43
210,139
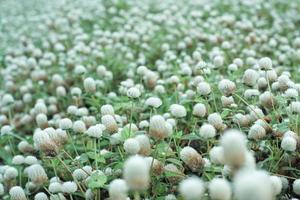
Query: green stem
x,y
137,195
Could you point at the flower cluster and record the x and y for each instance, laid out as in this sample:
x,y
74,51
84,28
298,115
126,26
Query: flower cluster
x,y
125,99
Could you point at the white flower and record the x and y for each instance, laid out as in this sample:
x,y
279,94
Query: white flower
x,y
215,119
18,160
227,87
250,77
207,131
136,173
295,107
131,146
41,196
191,158
110,123
265,63
216,155
89,84
219,189
118,189
192,188
257,132
276,185
17,193
252,185
133,92
96,131
55,187
178,110
158,127
30,160
41,120
37,174
296,186
144,142
69,187
199,110
289,143
234,145
79,126
65,123
203,88
10,173
154,102
107,110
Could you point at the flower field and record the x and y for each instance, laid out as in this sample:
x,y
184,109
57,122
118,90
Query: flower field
x,y
149,100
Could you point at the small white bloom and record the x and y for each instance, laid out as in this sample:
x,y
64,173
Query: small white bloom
x,y
219,189
192,188
178,110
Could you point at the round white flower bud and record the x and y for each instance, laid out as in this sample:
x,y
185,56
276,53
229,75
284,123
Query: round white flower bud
x,y
89,84
133,92
41,120
110,123
253,185
295,107
153,101
61,91
96,131
203,88
257,132
216,155
250,77
199,110
276,185
267,100
118,189
227,87
30,160
131,146
192,188
18,160
69,187
178,110
265,63
107,110
207,131
79,126
17,193
144,142
55,187
143,124
218,61
1,189
191,158
289,143
234,145
136,173
296,186
37,174
219,189
41,196
215,119
65,123
158,127
10,173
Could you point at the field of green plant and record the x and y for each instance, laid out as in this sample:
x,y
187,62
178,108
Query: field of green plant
x,y
149,100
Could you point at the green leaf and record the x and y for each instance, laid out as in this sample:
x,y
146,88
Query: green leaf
x,y
177,135
283,127
97,156
225,113
97,180
175,161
